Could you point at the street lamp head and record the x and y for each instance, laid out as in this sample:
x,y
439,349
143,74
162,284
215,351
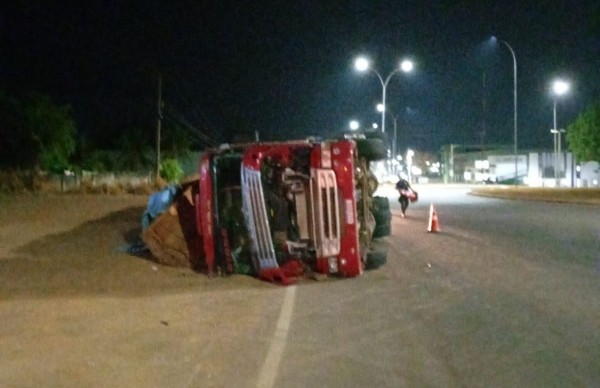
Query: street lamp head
x,y
560,87
493,41
380,107
406,66
361,64
354,125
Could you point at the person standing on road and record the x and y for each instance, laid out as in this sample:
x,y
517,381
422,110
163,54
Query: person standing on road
x,y
407,194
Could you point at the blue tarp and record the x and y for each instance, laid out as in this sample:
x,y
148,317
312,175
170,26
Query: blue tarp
x,y
158,203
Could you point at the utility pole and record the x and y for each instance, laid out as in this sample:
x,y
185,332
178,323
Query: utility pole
x,y
159,119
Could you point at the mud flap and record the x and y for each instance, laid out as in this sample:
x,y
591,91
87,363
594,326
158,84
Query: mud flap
x,y
285,274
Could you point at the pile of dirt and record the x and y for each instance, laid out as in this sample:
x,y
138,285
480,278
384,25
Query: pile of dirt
x,y
173,238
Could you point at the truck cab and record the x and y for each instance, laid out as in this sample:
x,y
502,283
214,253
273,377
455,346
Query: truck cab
x,y
282,209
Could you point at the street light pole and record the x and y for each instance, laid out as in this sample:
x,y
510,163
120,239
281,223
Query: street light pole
x,y
158,126
381,108
394,145
514,107
384,85
362,64
559,88
555,131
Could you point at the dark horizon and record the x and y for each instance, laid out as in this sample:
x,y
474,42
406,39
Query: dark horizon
x,y
286,70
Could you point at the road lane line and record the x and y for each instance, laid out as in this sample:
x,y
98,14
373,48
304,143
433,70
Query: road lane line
x,y
268,372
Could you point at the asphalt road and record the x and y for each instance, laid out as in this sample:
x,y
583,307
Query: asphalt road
x,y
507,294
561,232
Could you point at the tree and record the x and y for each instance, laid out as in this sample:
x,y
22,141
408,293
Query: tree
x,y
176,142
17,146
135,150
583,135
170,170
35,133
53,130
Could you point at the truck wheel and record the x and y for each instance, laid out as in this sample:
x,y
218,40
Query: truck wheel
x,y
381,211
371,149
380,204
382,230
382,219
375,259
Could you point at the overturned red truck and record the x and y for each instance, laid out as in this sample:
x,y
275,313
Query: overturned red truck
x,y
280,210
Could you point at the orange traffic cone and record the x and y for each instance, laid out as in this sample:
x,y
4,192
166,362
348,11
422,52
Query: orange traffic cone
x,y
434,225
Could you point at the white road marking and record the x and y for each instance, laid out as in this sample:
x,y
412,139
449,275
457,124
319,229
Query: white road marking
x,y
268,372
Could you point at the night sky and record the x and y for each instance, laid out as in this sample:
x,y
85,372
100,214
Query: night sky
x,y
285,68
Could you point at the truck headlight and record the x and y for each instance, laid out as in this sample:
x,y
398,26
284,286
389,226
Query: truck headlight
x,y
333,265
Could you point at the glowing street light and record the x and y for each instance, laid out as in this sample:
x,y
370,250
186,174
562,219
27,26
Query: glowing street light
x,y
559,88
354,125
362,64
406,66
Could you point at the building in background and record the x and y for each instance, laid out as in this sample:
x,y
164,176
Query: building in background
x,y
535,168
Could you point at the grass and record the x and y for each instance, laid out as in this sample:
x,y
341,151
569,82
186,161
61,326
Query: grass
x,y
567,195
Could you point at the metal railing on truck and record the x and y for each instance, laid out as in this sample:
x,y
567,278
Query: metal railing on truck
x,y
255,212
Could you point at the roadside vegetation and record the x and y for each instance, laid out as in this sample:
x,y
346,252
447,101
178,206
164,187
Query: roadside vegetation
x,y
583,136
566,195
39,138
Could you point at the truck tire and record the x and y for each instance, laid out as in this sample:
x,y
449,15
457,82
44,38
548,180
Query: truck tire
x,y
371,149
375,259
377,254
381,210
383,217
380,204
382,230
